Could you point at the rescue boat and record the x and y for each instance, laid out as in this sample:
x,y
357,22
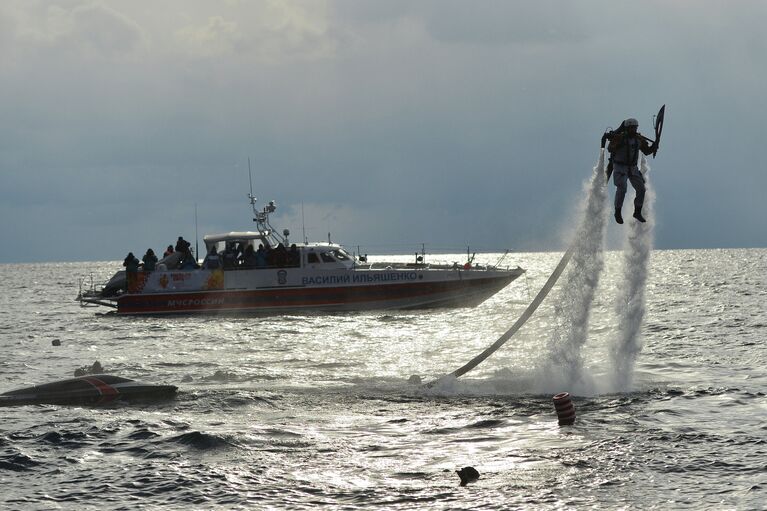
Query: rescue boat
x,y
321,276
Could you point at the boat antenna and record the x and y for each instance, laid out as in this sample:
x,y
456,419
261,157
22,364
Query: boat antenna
x,y
250,195
196,236
262,217
303,224
250,176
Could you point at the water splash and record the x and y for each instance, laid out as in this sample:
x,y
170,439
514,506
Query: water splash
x,y
564,366
630,302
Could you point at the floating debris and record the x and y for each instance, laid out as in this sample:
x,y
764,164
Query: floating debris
x,y
467,475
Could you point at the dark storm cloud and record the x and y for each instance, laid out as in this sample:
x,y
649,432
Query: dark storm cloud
x,y
441,122
489,22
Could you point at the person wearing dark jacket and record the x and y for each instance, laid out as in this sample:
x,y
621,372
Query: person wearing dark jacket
x,y
150,260
182,245
625,144
212,261
131,264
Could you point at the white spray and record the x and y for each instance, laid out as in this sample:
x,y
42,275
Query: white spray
x,y
630,301
573,306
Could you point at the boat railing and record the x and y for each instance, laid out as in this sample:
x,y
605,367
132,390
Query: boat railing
x,y
88,296
437,265
423,259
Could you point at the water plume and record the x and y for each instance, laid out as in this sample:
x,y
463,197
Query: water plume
x,y
630,301
573,306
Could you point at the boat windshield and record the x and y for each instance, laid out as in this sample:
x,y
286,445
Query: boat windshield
x,y
233,245
329,256
342,255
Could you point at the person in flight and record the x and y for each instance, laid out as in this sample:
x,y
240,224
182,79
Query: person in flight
x,y
624,146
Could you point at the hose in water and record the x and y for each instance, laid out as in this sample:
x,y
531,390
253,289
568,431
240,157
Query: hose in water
x,y
522,319
593,209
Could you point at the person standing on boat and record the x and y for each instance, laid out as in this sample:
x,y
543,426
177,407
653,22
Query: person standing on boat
x,y
168,251
212,260
248,258
182,245
625,144
188,260
280,255
260,256
150,260
131,264
294,258
230,255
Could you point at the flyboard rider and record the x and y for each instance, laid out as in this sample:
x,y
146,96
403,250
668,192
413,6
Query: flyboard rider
x,y
624,146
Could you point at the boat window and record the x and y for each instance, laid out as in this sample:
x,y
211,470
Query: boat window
x,y
341,255
219,247
311,258
327,258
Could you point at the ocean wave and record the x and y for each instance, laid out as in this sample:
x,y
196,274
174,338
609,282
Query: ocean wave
x,y
203,441
17,462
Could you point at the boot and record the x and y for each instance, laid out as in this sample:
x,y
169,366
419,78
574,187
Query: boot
x,y
638,214
618,216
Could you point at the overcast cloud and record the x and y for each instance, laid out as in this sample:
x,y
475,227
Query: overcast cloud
x,y
394,123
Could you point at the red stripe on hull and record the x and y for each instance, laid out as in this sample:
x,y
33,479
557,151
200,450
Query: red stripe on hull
x,y
108,392
404,295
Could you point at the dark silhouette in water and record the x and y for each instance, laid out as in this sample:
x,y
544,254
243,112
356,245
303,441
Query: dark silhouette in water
x,y
467,475
88,390
96,368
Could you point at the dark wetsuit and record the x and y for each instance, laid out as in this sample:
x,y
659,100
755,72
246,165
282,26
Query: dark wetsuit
x,y
624,153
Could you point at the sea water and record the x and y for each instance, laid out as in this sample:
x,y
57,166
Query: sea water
x,y
299,411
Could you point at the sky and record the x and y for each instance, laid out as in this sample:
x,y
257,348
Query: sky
x,y
386,123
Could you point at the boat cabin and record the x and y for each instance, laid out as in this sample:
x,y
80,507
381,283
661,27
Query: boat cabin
x,y
255,250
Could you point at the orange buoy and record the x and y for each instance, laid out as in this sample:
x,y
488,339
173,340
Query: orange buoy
x,y
565,409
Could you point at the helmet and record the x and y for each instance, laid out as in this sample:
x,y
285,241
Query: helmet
x,y
628,123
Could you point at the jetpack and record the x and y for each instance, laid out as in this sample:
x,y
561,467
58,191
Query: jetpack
x,y
657,124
